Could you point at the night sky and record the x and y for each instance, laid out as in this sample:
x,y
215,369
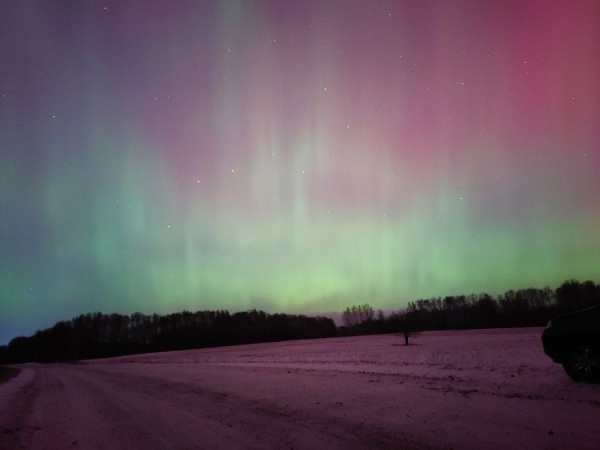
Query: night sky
x,y
292,156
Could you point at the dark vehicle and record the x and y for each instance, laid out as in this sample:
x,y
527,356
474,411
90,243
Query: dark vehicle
x,y
573,340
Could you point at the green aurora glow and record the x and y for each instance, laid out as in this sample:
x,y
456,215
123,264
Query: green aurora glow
x,y
293,156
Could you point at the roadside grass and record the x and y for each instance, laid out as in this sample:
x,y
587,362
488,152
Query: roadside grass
x,y
6,373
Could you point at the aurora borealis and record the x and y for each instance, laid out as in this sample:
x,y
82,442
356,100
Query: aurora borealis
x,y
292,156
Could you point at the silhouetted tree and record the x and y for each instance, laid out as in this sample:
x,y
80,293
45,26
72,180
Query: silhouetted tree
x,y
573,295
358,315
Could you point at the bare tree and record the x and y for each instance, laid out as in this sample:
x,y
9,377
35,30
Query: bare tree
x,y
358,314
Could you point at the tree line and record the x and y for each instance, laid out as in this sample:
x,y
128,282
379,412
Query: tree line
x,y
521,308
98,335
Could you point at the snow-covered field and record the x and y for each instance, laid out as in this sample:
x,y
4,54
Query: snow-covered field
x,y
452,389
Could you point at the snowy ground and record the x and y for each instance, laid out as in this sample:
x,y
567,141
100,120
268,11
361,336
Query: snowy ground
x,y
459,389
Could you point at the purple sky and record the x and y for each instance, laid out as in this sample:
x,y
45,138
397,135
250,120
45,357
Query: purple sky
x,y
295,156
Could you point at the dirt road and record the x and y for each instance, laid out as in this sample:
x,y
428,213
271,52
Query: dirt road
x,y
84,406
255,397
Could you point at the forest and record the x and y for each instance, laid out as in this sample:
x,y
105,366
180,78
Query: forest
x,y
97,335
522,308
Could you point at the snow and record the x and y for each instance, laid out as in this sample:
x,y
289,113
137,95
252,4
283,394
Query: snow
x,y
450,389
